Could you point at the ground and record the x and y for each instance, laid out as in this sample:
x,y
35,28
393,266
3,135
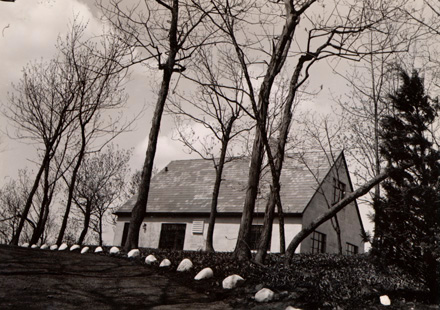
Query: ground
x,y
41,279
44,279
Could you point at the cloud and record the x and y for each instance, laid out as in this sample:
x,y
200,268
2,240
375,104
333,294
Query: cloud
x,y
167,151
28,31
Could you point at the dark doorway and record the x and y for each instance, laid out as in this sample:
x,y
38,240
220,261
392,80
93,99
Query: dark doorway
x,y
125,233
254,237
172,236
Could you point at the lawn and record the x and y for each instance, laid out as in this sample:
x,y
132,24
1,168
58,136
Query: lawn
x,y
44,279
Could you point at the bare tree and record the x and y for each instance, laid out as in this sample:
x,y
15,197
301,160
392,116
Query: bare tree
x,y
333,32
101,182
95,66
41,109
168,32
218,107
12,198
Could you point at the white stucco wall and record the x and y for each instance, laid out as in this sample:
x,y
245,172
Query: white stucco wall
x,y
225,232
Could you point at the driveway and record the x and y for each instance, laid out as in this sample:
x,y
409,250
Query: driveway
x,y
42,279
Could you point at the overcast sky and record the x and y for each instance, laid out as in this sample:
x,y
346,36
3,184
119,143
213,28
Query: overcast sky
x,y
29,29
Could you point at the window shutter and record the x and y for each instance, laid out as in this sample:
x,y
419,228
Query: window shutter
x,y
197,227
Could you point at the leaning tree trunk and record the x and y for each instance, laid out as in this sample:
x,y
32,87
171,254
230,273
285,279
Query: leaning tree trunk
x,y
44,210
24,214
330,213
277,61
72,184
277,165
85,224
242,250
139,209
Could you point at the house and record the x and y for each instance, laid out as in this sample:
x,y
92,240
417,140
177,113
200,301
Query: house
x,y
180,200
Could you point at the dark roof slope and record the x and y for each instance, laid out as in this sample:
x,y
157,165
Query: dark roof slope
x,y
185,186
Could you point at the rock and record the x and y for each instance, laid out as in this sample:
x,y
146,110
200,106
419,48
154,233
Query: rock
x,y
53,247
99,250
150,259
165,263
231,281
292,308
114,250
185,265
134,253
63,247
385,300
204,274
85,250
34,246
264,295
25,245
44,247
74,247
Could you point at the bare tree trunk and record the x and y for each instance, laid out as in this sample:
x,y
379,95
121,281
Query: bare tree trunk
x,y
277,165
266,233
85,224
216,191
282,233
28,205
139,209
279,56
242,251
73,183
100,230
306,231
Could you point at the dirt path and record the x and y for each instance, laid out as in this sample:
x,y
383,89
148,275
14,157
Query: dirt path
x,y
41,279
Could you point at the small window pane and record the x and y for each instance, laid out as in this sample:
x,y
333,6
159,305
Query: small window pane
x,y
351,249
318,242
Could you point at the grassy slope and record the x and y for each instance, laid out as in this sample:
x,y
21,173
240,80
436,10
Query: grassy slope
x,y
310,282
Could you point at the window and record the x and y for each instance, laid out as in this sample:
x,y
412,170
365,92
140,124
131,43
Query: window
x,y
339,189
318,242
351,249
172,236
125,233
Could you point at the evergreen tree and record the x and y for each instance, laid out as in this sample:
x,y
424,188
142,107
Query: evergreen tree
x,y
408,216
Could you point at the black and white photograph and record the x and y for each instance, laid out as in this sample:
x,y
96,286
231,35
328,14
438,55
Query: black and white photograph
x,y
220,154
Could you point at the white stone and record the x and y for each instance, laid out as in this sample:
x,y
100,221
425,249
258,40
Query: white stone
x,y
204,274
165,263
75,247
99,250
63,247
44,247
114,250
134,253
264,295
150,259
231,281
25,245
185,265
292,308
84,250
53,247
34,246
385,300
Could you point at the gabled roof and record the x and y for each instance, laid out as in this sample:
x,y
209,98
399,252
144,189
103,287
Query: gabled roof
x,y
185,186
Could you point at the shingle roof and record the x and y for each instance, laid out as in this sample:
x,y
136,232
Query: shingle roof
x,y
185,186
